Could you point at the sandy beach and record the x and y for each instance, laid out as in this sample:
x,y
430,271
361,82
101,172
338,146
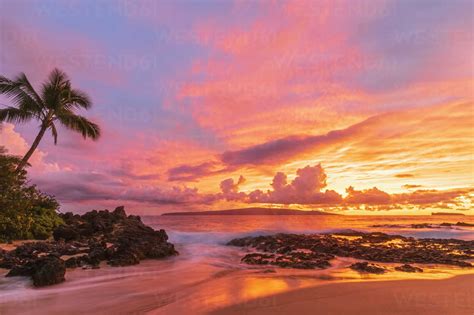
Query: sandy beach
x,y
168,287
448,296
209,277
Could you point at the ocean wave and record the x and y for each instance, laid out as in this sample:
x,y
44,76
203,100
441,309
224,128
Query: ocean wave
x,y
221,238
437,233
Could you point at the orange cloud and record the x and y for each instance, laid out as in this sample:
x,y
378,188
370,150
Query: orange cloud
x,y
408,186
372,196
404,175
306,189
16,145
405,144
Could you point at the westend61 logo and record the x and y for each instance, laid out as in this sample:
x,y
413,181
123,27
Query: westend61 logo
x,y
96,8
100,8
141,8
420,299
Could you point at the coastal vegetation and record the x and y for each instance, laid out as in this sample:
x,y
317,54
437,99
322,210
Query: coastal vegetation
x,y
25,212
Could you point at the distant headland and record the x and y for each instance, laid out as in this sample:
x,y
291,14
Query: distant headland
x,y
446,213
253,211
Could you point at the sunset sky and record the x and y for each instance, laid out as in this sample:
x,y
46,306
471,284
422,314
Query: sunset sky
x,y
345,106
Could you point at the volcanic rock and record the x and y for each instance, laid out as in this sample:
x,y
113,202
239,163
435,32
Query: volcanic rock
x,y
316,250
114,237
365,267
408,268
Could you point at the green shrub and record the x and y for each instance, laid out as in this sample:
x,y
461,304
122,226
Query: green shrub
x,y
25,212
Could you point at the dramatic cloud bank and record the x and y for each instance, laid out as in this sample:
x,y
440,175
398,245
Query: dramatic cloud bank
x,y
307,189
192,93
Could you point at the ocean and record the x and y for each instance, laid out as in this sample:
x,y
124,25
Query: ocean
x,y
208,274
219,229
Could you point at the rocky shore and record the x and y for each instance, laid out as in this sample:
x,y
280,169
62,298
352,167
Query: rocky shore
x,y
425,225
85,241
316,250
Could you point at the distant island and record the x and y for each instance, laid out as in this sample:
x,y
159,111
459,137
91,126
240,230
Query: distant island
x,y
253,211
446,213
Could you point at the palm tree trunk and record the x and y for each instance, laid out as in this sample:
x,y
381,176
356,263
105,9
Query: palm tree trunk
x,y
28,154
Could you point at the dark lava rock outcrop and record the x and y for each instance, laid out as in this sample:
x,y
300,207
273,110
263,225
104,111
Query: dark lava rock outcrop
x,y
316,250
365,267
85,241
408,268
424,225
46,270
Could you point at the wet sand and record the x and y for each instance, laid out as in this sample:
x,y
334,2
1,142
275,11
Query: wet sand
x,y
448,296
176,287
15,244
214,284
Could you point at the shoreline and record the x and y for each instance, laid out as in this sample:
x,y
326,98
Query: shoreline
x,y
209,277
454,295
206,287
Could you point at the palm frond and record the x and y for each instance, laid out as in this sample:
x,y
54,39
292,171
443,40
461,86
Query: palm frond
x,y
80,124
29,88
15,115
51,96
56,102
19,92
74,98
53,89
57,78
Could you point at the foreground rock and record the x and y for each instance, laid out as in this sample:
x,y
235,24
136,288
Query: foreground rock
x,y
365,267
44,271
85,241
408,268
424,225
316,250
300,260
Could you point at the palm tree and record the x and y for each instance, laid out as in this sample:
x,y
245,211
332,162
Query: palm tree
x,y
56,103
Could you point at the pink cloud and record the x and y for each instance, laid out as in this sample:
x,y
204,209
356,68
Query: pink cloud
x,y
132,177
193,172
230,189
16,145
372,196
228,186
281,150
427,197
13,141
261,69
273,152
38,51
307,189
95,189
304,189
